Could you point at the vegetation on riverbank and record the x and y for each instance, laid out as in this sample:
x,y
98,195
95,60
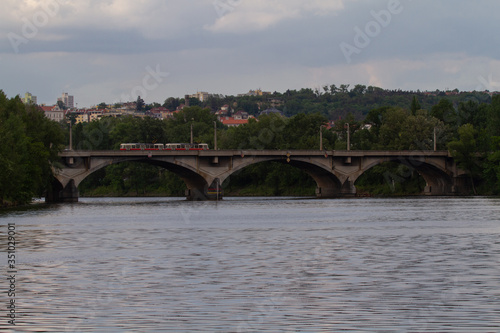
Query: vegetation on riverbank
x,y
29,143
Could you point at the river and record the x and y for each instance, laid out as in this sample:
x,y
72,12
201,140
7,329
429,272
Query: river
x,y
254,265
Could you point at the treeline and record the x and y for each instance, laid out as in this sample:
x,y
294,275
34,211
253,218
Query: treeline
x,y
29,142
331,101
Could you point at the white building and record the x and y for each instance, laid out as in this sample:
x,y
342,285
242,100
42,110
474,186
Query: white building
x,y
53,113
201,95
68,101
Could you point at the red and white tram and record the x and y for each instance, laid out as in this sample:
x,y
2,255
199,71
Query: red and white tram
x,y
161,146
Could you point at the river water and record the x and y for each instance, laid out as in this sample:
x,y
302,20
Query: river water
x,y
255,265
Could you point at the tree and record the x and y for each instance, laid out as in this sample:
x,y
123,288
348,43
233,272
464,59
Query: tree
x,y
415,106
30,144
473,112
390,130
444,111
102,106
494,117
358,90
193,101
492,169
417,132
171,103
61,105
178,129
464,151
139,104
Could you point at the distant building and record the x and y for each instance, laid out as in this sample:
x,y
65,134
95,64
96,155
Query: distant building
x,y
53,113
68,101
275,102
241,115
95,115
128,107
271,111
221,113
257,92
29,99
82,118
201,95
231,122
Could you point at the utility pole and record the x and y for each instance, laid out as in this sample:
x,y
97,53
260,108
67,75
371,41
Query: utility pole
x,y
70,134
321,137
215,135
348,138
192,119
435,139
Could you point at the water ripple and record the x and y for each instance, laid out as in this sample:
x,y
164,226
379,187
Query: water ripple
x,y
258,265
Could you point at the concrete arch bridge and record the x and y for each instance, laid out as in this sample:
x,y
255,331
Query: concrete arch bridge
x,y
335,172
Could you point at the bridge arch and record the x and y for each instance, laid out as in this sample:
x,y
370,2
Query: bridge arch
x,y
328,184
438,180
65,185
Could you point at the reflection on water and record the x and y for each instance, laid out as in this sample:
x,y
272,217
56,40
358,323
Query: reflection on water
x,y
258,265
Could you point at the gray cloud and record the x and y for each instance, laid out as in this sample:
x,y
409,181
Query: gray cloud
x,y
99,50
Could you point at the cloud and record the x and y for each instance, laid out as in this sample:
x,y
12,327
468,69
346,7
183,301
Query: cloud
x,y
98,50
246,16
153,19
435,71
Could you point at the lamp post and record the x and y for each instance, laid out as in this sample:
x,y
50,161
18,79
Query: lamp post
x,y
70,134
348,137
435,139
215,135
192,119
321,137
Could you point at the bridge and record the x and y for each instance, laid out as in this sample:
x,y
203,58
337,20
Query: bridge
x,y
335,172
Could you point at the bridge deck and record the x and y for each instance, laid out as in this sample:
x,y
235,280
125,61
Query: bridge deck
x,y
234,152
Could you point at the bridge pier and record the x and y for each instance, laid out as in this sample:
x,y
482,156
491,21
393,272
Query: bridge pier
x,y
325,192
347,190
213,192
57,193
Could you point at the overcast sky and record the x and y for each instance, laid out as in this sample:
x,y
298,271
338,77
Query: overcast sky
x,y
113,50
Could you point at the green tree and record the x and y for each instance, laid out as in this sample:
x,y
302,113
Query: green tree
x,y
139,104
444,111
390,130
464,151
61,105
493,114
172,103
417,132
471,112
178,129
415,106
492,167
30,144
302,132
